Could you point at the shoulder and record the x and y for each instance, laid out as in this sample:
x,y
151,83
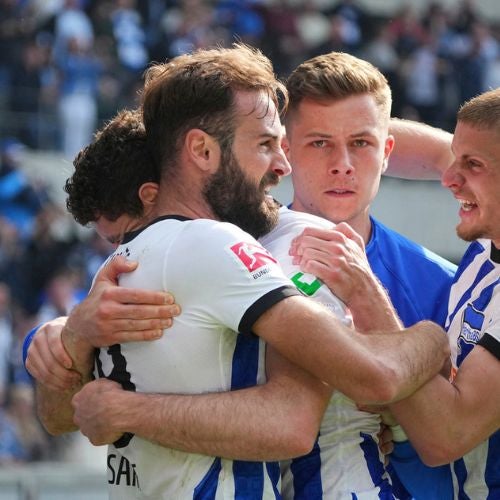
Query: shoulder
x,y
392,246
291,223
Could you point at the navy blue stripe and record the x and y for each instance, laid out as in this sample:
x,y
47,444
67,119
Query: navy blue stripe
x,y
492,473
475,248
486,268
484,298
245,362
207,488
274,473
248,476
248,480
306,472
461,476
375,466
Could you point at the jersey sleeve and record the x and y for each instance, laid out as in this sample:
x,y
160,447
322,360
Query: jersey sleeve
x,y
224,274
491,344
26,344
491,337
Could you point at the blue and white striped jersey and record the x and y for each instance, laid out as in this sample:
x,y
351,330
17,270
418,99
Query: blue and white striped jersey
x,y
345,462
224,280
474,318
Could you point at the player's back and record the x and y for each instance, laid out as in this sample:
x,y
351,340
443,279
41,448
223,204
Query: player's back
x,y
202,263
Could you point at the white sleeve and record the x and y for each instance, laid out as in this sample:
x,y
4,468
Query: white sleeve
x,y
224,273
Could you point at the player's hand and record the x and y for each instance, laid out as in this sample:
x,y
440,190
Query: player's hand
x,y
336,256
97,408
112,314
47,360
385,440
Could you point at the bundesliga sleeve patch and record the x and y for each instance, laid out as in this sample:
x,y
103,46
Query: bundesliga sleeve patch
x,y
254,258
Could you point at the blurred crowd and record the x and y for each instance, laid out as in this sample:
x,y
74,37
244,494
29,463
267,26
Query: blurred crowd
x,y
66,66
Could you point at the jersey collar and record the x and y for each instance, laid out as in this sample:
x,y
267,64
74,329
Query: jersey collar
x,y
495,254
128,237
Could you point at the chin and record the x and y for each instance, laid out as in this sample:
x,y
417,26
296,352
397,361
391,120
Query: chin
x,y
469,234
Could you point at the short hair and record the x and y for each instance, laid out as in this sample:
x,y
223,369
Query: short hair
x,y
197,90
334,76
482,111
110,170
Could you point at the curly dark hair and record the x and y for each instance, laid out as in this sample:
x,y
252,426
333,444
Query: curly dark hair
x,y
110,170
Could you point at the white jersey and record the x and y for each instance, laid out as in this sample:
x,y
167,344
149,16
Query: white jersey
x,y
474,318
224,280
345,462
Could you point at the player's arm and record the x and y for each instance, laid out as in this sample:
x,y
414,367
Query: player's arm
x,y
445,420
60,356
420,151
373,368
277,420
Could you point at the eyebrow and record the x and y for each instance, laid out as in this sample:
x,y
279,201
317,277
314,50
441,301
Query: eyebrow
x,y
327,136
269,135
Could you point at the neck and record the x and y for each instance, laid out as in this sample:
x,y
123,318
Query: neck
x,y
176,202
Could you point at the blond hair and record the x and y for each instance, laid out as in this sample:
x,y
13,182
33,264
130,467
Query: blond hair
x,y
482,111
337,75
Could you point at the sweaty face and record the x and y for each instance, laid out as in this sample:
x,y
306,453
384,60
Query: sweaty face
x,y
338,150
474,179
238,191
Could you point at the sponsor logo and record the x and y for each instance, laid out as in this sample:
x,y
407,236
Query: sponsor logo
x,y
255,258
306,283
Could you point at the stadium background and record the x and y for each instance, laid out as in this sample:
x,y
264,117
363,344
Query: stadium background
x,y
66,66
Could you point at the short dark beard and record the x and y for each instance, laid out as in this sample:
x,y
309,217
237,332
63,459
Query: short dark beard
x,y
233,198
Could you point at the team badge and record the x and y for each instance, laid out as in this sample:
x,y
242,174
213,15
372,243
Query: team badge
x,y
470,333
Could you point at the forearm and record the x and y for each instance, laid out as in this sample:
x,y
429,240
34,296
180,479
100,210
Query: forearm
x,y
374,368
434,418
79,349
372,309
424,419
54,409
420,151
415,355
54,406
248,424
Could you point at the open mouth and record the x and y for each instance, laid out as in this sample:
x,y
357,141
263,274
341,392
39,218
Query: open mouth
x,y
467,205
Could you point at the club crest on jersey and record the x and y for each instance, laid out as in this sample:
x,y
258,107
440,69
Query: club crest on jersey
x,y
470,334
255,258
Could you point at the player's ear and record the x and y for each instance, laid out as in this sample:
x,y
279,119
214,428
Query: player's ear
x,y
203,150
148,193
389,146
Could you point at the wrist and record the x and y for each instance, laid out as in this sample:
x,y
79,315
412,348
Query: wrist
x,y
372,309
79,349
